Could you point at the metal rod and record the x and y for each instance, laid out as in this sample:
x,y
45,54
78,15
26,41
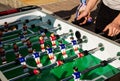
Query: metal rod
x,y
5,71
7,64
20,76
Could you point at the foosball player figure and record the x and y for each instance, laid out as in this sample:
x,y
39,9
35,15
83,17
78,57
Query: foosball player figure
x,y
16,49
22,38
29,45
76,74
24,29
53,40
2,55
36,56
1,45
42,32
50,54
62,48
74,44
41,41
1,33
22,62
5,26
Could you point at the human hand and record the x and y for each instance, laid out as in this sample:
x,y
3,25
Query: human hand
x,y
113,28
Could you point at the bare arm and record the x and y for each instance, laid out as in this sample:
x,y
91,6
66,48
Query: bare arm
x,y
89,7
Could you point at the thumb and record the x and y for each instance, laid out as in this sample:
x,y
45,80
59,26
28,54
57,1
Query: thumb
x,y
79,17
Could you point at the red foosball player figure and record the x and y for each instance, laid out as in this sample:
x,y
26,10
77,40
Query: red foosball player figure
x,y
29,45
75,46
24,29
62,48
53,40
2,55
36,56
41,40
5,26
1,33
16,49
50,54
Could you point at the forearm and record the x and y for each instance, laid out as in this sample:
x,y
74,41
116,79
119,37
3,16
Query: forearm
x,y
117,20
90,5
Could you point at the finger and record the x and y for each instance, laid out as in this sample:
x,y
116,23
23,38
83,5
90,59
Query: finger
x,y
105,29
84,22
116,32
110,32
79,17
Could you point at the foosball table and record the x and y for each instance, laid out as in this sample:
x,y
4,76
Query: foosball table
x,y
37,46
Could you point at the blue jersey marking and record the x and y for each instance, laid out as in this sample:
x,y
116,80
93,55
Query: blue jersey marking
x,y
74,42
0,44
36,55
62,46
22,36
76,75
22,59
49,50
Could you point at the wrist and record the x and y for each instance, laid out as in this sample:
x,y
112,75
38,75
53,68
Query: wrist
x,y
117,20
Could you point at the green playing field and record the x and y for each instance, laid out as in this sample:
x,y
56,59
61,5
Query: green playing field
x,y
55,73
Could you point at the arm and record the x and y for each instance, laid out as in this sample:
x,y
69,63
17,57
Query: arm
x,y
113,27
89,7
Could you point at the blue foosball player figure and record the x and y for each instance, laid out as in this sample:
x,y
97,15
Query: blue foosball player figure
x,y
74,44
50,54
76,74
22,62
1,44
36,56
22,38
63,50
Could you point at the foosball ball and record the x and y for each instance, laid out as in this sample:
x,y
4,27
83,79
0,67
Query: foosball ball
x,y
37,46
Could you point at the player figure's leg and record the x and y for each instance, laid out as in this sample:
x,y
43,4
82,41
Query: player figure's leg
x,y
64,53
42,47
54,44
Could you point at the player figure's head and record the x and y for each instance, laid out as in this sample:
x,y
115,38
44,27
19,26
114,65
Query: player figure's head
x,y
52,34
34,50
19,55
24,24
75,69
40,38
60,42
72,38
47,46
14,44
